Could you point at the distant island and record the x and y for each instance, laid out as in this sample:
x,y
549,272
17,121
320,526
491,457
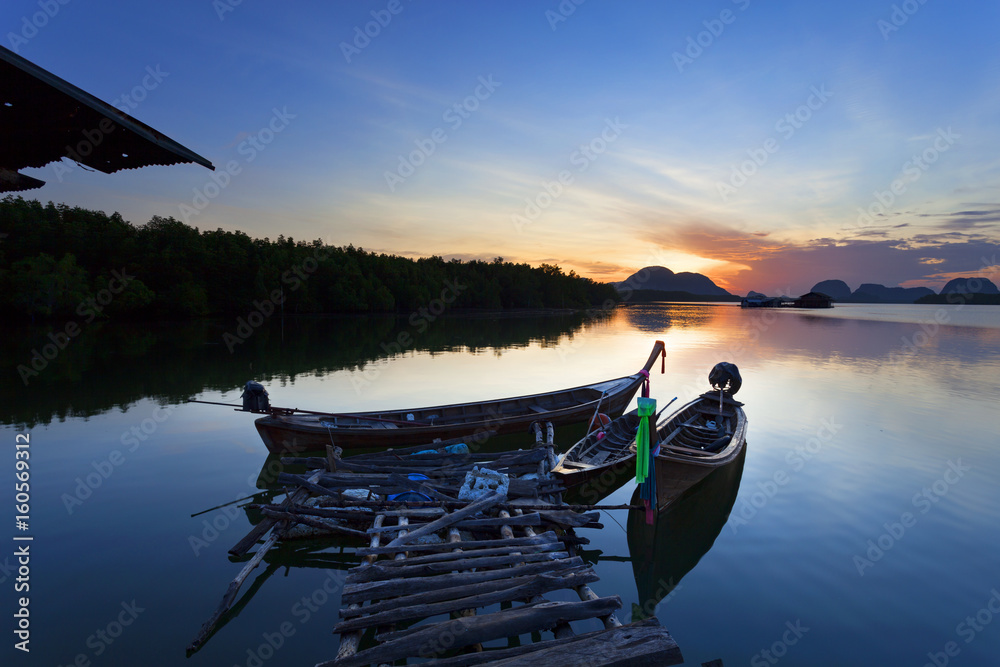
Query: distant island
x,y
976,291
969,289
658,283
77,264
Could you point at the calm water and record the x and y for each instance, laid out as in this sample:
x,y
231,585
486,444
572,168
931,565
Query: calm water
x,y
863,528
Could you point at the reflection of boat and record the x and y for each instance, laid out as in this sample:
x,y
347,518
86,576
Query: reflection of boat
x,y
601,462
707,433
284,431
662,553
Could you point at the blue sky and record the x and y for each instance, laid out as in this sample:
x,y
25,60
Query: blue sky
x,y
743,139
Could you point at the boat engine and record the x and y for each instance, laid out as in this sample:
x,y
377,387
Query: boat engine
x,y
255,398
725,376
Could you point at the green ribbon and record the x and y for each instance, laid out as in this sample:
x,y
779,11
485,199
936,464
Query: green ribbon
x,y
647,408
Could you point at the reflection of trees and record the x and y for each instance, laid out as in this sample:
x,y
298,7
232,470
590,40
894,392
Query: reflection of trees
x,y
115,364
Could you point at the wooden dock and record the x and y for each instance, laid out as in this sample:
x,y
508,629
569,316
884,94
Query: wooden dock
x,y
449,582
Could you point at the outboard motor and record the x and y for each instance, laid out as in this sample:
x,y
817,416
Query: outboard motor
x,y
255,398
725,377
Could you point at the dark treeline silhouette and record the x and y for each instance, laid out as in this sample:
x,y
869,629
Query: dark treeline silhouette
x,y
58,262
113,364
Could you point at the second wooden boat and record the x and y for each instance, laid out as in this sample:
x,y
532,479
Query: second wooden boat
x,y
285,431
600,463
701,436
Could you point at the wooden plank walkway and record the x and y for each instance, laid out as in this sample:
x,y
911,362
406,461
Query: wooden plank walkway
x,y
456,583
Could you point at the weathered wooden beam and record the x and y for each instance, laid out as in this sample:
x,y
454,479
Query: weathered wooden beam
x,y
463,553
562,630
506,593
346,513
569,519
332,455
230,595
455,592
349,643
394,587
642,644
314,523
379,573
428,641
481,524
258,531
449,519
542,538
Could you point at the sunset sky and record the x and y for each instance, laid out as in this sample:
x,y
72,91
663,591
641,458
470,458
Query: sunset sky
x,y
758,143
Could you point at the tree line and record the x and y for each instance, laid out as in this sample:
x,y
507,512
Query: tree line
x,y
58,261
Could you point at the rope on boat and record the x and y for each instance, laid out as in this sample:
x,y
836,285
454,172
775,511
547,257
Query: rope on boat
x,y
645,459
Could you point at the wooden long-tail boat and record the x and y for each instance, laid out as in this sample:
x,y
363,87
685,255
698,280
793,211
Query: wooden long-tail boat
x,y
602,462
284,431
706,434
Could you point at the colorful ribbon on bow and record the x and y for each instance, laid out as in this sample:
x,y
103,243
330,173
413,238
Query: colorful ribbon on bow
x,y
645,458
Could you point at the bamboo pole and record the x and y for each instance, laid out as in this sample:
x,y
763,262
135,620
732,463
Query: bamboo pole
x,y
349,643
232,590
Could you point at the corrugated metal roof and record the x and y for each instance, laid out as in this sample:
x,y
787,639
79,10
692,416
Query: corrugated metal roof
x,y
44,118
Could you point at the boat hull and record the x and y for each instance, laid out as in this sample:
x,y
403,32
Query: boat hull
x,y
666,550
679,465
292,434
594,468
591,486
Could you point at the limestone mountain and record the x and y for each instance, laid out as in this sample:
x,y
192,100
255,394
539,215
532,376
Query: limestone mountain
x,y
870,292
967,285
874,293
836,289
663,279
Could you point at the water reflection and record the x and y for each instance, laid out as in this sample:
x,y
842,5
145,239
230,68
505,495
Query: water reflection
x,y
662,553
113,365
658,317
